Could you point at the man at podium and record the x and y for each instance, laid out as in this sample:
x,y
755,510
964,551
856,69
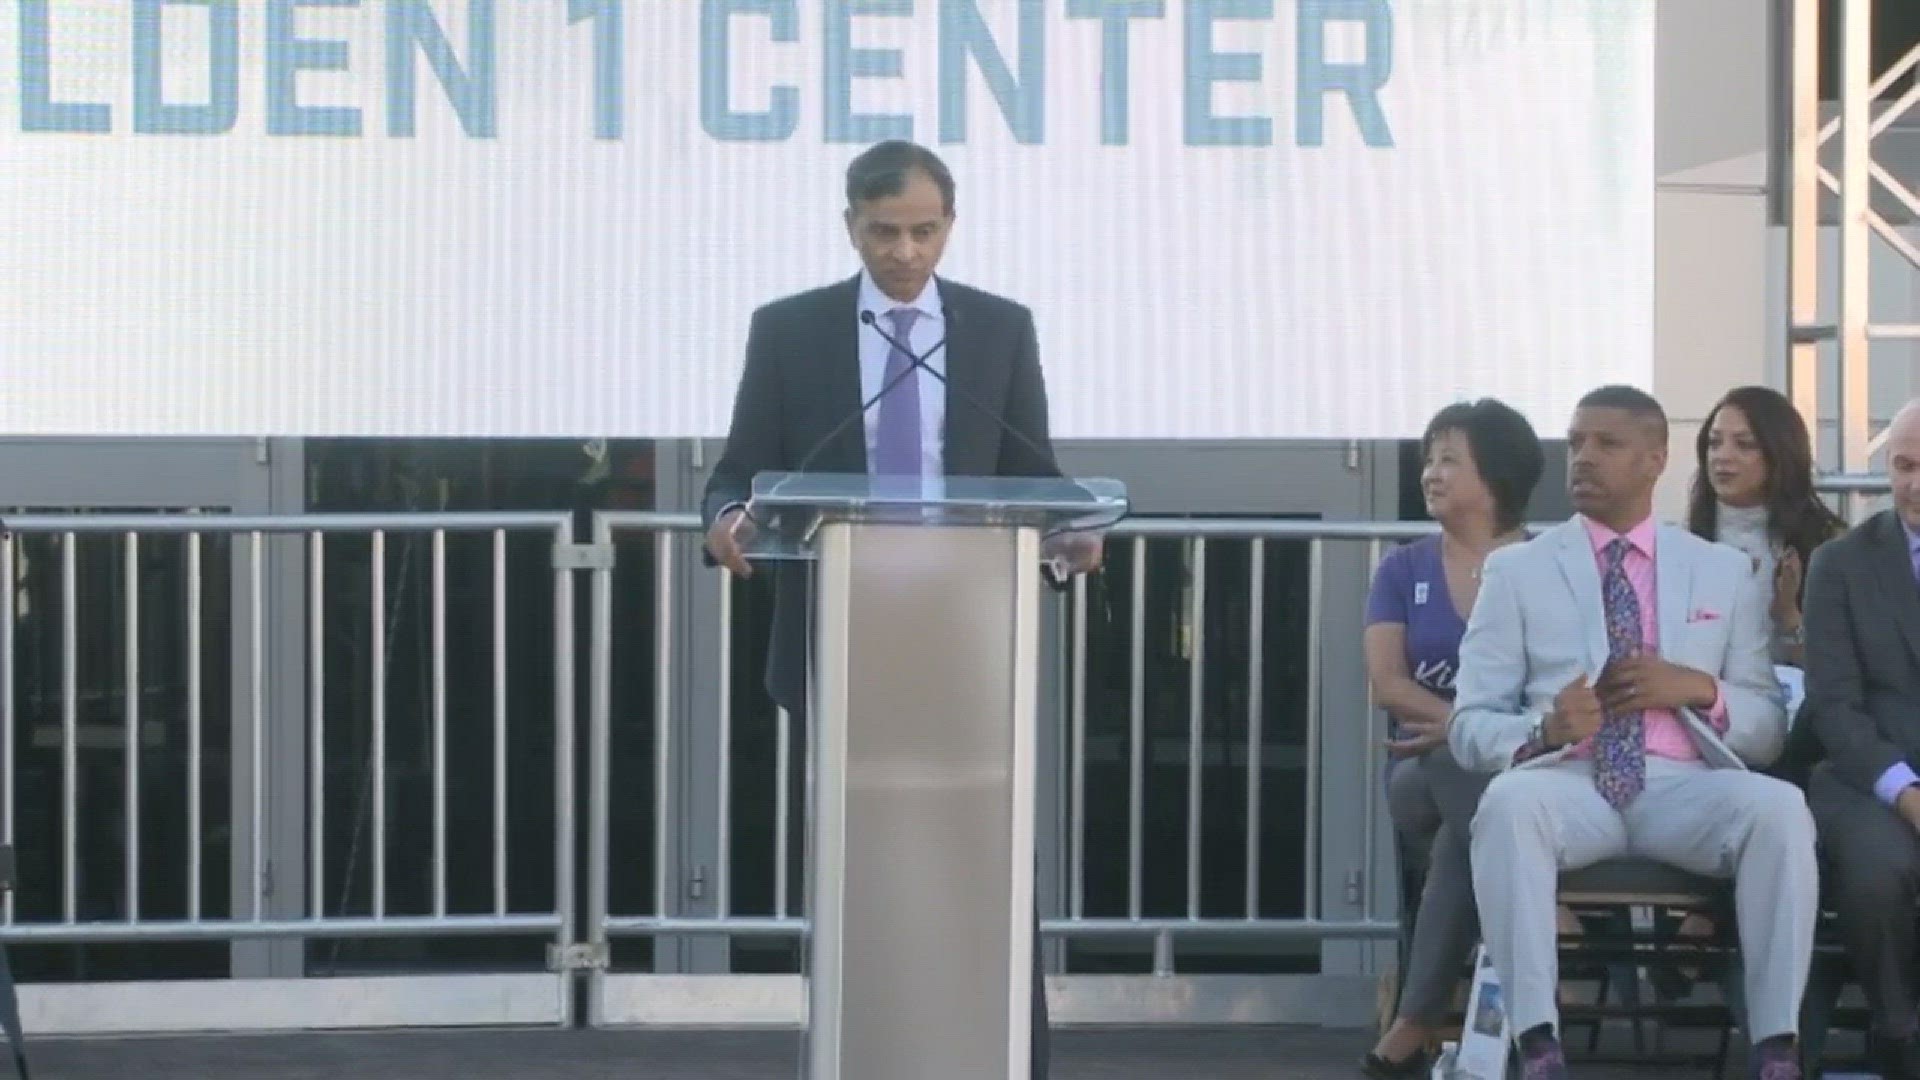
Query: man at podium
x,y
830,386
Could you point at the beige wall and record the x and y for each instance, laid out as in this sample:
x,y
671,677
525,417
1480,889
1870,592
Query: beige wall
x,y
1713,305
1709,316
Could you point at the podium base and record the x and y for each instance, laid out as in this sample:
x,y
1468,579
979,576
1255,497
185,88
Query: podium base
x,y
921,959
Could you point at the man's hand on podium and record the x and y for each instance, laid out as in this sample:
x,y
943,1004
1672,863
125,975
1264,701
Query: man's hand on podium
x,y
1072,553
727,540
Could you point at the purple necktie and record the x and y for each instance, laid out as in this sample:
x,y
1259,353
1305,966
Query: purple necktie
x,y
1620,746
896,443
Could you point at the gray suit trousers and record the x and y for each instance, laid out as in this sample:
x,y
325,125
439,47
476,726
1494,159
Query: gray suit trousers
x,y
1728,823
1873,858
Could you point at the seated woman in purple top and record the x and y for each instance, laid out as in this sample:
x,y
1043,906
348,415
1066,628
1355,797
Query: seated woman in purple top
x,y
1482,463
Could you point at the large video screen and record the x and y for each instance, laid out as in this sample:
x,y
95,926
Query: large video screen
x,y
1231,218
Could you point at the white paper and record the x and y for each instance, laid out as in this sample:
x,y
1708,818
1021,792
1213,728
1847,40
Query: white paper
x,y
1793,682
1485,1039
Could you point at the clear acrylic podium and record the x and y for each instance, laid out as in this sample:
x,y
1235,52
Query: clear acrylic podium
x,y
926,612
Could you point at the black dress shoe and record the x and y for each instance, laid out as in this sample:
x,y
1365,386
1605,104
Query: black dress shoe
x,y
1380,1068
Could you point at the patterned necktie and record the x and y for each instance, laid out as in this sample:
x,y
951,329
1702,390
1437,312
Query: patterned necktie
x,y
1620,746
896,443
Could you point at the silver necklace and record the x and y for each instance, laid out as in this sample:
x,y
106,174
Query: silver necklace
x,y
1473,572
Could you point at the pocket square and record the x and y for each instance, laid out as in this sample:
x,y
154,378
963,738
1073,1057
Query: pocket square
x,y
1703,615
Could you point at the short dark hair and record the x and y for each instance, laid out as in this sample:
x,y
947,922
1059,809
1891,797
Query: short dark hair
x,y
882,170
1631,400
1506,452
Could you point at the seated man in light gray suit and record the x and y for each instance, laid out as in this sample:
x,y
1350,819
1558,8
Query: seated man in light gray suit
x,y
1615,674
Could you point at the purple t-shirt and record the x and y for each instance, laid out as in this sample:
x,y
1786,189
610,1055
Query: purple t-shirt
x,y
1410,588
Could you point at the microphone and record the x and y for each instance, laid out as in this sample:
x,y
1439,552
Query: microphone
x,y
951,316
913,361
1052,571
918,361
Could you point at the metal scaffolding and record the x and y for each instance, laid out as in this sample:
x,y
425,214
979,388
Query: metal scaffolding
x,y
1863,116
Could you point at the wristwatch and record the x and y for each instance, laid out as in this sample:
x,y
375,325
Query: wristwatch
x,y
1540,732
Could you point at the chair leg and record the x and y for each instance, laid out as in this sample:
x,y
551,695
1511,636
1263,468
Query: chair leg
x,y
1630,991
1600,999
1816,1010
1619,926
1733,989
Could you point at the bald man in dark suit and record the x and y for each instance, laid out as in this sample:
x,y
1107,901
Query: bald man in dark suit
x,y
1863,696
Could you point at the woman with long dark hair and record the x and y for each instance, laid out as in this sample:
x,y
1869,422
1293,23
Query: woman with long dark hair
x,y
1754,491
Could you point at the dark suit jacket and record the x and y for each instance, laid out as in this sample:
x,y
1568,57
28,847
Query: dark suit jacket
x,y
802,380
1862,623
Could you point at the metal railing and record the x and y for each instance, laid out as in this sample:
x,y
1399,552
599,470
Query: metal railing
x,y
1852,494
295,561
263,540
1852,484
282,560
675,537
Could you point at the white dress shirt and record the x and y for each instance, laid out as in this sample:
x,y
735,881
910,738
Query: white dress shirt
x,y
928,329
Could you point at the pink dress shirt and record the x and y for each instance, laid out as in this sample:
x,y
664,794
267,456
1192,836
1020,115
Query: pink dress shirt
x,y
1666,733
